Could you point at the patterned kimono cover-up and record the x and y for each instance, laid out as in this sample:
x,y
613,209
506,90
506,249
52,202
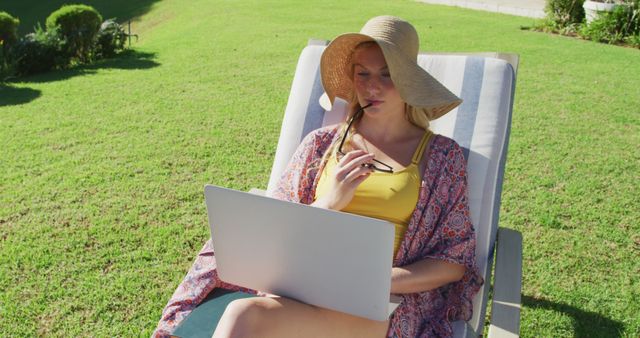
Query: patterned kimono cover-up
x,y
440,228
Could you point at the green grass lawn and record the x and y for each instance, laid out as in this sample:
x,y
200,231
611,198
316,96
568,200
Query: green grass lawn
x,y
103,167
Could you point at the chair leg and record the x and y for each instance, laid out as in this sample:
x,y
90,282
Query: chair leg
x,y
505,308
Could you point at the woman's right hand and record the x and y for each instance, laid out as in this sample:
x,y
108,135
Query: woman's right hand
x,y
350,171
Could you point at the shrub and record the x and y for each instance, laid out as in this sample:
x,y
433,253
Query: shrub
x,y
618,26
8,37
633,40
564,13
8,29
602,29
78,25
630,18
39,52
111,39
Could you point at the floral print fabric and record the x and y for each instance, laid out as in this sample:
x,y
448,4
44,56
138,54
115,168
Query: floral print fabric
x,y
440,228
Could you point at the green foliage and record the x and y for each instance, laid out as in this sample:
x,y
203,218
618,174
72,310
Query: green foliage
x,y
605,28
6,67
564,13
74,35
111,39
619,26
78,25
549,25
39,52
8,37
8,29
566,17
633,40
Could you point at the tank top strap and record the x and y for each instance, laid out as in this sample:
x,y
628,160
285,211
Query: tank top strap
x,y
417,156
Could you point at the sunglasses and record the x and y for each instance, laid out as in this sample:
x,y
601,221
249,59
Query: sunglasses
x,y
383,167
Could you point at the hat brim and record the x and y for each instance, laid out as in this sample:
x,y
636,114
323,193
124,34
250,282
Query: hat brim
x,y
416,86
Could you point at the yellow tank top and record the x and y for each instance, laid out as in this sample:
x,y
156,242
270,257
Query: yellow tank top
x,y
387,196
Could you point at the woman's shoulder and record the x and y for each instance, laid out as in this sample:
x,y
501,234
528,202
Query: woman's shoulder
x,y
444,145
446,150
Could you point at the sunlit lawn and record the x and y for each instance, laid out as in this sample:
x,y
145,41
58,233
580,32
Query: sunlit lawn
x,y
103,167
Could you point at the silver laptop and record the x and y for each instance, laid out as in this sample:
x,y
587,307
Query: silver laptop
x,y
330,259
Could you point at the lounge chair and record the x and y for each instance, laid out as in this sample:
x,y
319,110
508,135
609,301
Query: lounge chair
x,y
481,125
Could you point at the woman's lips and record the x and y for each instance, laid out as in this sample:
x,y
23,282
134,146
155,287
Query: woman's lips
x,y
375,102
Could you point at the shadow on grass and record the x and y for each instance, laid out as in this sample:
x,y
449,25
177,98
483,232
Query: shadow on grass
x,y
11,96
586,324
129,59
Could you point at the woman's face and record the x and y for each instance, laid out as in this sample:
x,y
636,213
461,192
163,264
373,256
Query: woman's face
x,y
372,81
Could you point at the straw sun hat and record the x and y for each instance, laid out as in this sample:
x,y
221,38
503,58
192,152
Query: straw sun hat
x,y
398,41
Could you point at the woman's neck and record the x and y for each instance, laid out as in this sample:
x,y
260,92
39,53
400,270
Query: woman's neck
x,y
387,129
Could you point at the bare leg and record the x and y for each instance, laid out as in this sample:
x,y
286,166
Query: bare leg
x,y
284,317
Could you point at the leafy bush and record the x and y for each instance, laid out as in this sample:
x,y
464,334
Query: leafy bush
x,y
564,13
111,39
8,37
74,34
621,25
39,52
8,29
633,40
78,25
602,29
631,18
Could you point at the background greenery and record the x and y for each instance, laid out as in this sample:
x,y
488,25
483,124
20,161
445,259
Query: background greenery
x,y
31,12
620,26
101,206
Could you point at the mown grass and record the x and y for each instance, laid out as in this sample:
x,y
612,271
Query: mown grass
x,y
101,208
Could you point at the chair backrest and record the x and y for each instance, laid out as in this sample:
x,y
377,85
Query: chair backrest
x,y
480,125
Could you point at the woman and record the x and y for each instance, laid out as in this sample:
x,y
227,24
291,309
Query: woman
x,y
384,163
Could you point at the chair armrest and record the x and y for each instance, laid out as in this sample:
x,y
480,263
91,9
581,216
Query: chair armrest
x,y
257,191
505,308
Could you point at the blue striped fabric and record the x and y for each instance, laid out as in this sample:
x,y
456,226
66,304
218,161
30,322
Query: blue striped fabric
x,y
315,113
468,110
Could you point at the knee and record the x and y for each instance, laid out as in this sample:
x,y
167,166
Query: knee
x,y
242,318
245,310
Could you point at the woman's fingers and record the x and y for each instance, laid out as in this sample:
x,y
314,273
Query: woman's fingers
x,y
353,162
348,157
350,172
357,173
